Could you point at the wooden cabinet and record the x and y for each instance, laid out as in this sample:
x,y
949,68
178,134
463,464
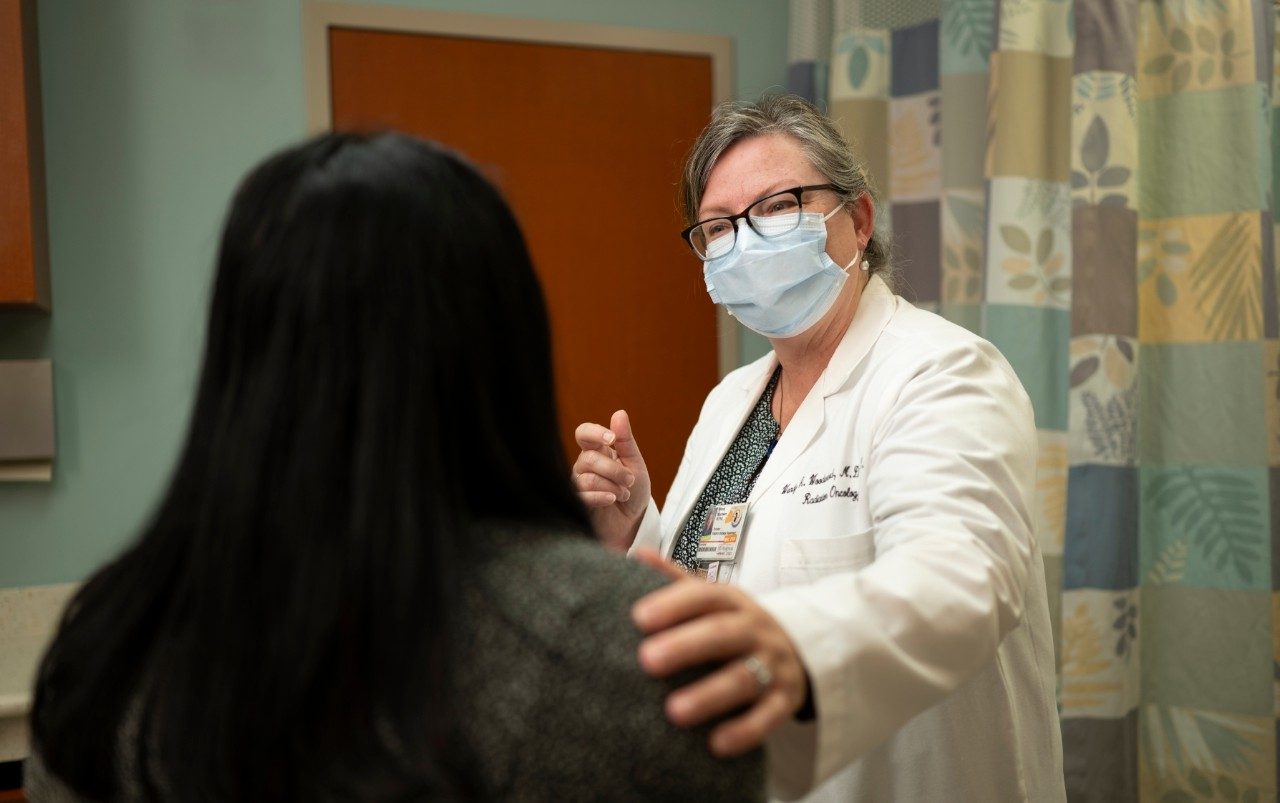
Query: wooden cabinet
x,y
24,253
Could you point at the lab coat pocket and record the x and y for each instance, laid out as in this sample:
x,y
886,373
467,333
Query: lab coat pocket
x,y
804,560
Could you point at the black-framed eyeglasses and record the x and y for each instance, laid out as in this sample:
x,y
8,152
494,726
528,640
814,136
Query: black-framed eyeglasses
x,y
771,216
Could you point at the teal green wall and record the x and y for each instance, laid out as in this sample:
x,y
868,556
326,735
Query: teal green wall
x,y
153,109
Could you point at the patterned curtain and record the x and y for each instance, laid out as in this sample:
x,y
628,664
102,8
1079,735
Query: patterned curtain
x,y
1089,184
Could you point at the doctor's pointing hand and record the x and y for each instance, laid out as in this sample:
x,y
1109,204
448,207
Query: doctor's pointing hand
x,y
849,531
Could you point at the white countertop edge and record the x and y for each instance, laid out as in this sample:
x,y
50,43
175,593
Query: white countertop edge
x,y
28,617
14,705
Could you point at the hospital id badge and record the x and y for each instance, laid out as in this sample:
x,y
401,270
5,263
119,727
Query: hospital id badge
x,y
722,533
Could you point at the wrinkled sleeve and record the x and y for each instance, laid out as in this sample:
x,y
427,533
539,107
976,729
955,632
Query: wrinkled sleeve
x,y
649,535
949,479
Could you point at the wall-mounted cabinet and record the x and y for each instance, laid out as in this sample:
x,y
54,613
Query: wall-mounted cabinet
x,y
24,253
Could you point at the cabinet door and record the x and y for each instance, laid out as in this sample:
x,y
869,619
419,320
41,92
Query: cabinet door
x,y
587,146
24,273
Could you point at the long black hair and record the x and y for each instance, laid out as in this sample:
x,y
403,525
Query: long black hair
x,y
376,386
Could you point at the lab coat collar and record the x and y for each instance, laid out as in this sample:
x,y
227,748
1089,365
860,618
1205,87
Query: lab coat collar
x,y
874,310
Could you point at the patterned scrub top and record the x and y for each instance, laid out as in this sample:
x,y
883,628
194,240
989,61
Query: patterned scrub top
x,y
734,478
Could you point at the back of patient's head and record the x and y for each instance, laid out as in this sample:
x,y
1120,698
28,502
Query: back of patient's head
x,y
375,311
376,382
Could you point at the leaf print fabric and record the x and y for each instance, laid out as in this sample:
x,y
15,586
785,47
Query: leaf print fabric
x,y
861,65
968,28
1092,186
734,478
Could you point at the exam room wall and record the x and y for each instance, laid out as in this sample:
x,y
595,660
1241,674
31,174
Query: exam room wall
x,y
152,110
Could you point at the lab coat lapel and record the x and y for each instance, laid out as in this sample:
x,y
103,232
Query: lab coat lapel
x,y
733,414
875,308
793,442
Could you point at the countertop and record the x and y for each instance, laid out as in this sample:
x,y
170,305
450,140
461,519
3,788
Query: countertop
x,y
28,617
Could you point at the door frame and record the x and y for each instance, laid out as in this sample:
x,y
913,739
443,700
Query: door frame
x,y
318,16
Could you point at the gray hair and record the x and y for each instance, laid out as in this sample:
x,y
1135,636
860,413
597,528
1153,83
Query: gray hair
x,y
821,141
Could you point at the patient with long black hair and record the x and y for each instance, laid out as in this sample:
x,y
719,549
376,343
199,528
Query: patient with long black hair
x,y
370,577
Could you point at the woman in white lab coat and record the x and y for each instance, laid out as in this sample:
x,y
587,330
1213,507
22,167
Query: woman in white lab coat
x,y
860,497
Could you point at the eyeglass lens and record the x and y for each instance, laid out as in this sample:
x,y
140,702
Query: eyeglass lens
x,y
770,217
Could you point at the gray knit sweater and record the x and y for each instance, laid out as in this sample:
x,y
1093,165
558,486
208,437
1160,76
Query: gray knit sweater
x,y
553,704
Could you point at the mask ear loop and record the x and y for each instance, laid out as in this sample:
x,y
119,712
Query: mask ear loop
x,y
866,264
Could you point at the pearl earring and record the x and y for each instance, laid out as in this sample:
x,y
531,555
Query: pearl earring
x,y
866,265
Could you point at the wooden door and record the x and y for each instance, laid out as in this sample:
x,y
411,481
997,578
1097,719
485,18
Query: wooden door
x,y
586,144
24,269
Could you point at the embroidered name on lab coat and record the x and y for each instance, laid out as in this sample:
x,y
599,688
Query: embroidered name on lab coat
x,y
815,488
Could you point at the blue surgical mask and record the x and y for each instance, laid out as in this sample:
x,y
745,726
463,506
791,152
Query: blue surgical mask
x,y
777,286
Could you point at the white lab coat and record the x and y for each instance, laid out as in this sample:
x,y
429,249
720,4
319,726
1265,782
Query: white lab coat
x,y
890,534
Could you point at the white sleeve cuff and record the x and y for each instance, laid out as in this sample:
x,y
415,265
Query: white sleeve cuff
x,y
650,532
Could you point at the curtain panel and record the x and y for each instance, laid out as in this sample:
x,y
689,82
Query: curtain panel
x,y
1090,185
